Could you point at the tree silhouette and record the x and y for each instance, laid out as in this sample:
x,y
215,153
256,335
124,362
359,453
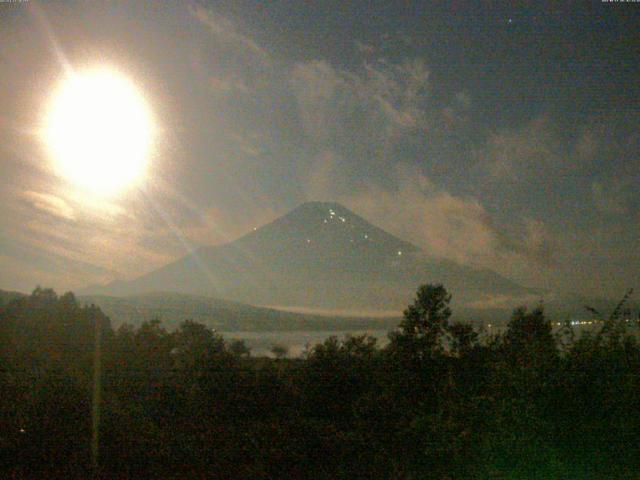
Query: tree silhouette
x,y
279,351
239,348
463,338
424,323
436,402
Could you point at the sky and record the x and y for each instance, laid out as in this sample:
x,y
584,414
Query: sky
x,y
495,134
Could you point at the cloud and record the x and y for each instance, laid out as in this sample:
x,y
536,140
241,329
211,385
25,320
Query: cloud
x,y
228,61
522,152
536,242
50,204
587,144
214,226
539,149
388,97
24,265
507,301
365,48
232,83
323,180
449,226
444,225
612,197
226,31
456,113
94,236
317,86
399,89
249,144
357,122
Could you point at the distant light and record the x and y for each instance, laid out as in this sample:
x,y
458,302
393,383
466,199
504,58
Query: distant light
x,y
366,236
399,252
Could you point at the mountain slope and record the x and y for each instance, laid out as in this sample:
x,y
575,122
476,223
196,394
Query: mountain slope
x,y
320,255
8,296
173,308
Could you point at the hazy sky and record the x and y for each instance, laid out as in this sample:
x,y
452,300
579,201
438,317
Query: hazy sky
x,y
495,135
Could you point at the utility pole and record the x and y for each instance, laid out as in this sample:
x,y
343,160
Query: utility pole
x,y
95,400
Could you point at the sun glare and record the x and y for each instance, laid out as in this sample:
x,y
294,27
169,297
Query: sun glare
x,y
99,130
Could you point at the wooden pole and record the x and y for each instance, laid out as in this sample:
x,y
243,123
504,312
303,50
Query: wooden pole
x,y
95,400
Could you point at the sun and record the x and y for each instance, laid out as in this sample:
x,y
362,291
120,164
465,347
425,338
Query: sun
x,y
99,130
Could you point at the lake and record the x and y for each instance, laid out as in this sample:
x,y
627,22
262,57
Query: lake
x,y
260,343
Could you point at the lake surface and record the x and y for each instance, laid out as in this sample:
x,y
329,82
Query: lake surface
x,y
260,343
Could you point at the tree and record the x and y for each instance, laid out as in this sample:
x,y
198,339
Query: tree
x,y
239,348
614,328
337,373
463,338
279,351
529,336
47,347
424,324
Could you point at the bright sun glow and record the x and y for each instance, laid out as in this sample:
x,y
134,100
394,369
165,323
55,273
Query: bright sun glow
x,y
99,130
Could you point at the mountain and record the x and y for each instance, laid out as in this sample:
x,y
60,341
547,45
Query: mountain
x,y
225,316
8,296
319,256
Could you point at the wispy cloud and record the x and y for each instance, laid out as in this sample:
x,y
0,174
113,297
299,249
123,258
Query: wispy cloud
x,y
232,83
227,31
50,204
539,149
449,226
519,153
612,197
317,87
388,97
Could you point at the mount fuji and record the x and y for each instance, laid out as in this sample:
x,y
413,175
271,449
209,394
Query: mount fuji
x,y
320,256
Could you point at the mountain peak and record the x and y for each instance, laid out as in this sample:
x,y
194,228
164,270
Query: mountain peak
x,y
327,224
321,205
316,208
